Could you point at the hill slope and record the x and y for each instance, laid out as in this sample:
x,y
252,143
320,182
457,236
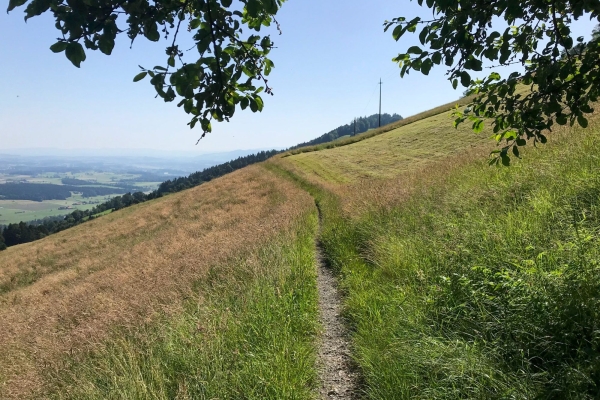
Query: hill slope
x,y
464,280
101,286
459,280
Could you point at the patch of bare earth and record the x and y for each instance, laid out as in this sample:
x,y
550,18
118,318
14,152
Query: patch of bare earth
x,y
338,377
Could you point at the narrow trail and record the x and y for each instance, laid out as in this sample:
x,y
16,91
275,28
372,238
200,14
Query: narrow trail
x,y
338,380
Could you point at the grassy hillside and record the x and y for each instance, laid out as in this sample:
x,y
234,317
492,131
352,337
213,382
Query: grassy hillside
x,y
378,131
389,154
463,280
460,280
214,284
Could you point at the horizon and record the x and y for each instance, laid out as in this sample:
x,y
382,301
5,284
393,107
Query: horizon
x,y
324,77
63,106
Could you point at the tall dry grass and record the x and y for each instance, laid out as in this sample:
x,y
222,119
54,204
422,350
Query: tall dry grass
x,y
66,293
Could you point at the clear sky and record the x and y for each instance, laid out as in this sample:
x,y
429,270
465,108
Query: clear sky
x,y
328,64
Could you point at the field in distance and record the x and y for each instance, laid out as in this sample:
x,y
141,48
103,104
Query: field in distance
x,y
15,211
22,209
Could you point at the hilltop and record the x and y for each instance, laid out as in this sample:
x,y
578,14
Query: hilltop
x,y
458,280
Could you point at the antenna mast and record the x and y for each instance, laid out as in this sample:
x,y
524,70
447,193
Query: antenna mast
x,y
380,83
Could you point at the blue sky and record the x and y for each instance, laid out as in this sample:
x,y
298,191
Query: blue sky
x,y
328,64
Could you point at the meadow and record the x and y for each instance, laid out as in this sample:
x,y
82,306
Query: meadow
x,y
226,268
15,211
463,280
459,280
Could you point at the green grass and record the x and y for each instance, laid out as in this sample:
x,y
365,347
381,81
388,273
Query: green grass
x,y
100,177
474,282
103,213
15,211
389,154
485,283
247,332
153,185
346,140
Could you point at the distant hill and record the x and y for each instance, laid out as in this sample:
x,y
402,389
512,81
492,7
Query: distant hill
x,y
363,124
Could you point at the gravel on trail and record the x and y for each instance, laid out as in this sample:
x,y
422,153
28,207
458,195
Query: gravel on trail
x,y
338,378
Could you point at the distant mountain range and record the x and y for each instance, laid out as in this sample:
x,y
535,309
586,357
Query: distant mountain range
x,y
127,154
34,161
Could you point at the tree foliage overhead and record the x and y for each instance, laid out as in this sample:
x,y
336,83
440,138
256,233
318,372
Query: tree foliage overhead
x,y
230,63
464,36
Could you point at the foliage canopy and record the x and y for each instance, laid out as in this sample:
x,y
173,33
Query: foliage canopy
x,y
231,66
464,36
230,62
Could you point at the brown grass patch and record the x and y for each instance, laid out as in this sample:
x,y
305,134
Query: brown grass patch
x,y
127,267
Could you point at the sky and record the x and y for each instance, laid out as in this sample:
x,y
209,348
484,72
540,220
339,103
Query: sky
x,y
328,63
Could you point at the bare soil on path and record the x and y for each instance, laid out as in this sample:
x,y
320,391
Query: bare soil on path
x,y
338,375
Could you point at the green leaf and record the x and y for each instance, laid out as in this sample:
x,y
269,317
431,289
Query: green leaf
x,y
465,79
561,119
75,53
206,126
259,103
253,105
195,23
188,105
58,47
171,61
106,45
414,50
151,32
398,32
12,4
515,151
252,8
244,103
542,138
505,160
582,121
140,76
455,83
423,35
427,64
